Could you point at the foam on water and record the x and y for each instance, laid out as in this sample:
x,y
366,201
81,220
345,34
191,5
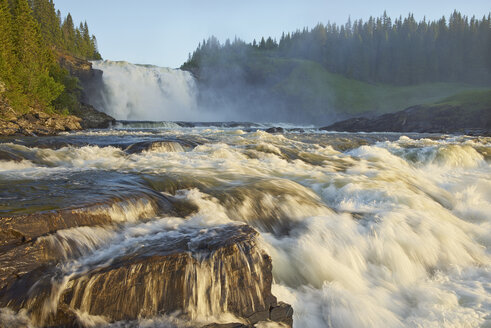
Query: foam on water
x,y
388,234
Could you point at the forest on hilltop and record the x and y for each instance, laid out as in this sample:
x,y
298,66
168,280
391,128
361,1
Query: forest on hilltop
x,y
32,36
380,50
335,71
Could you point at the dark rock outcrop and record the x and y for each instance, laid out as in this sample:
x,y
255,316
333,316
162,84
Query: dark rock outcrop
x,y
91,118
275,130
90,78
424,119
92,91
195,272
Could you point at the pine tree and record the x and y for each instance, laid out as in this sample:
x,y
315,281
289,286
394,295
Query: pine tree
x,y
262,44
381,50
68,33
34,60
45,14
6,44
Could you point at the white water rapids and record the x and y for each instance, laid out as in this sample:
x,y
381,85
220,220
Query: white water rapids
x,y
393,233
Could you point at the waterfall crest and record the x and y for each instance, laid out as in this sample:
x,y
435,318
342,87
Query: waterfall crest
x,y
144,92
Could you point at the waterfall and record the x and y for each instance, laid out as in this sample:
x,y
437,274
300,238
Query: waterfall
x,y
149,93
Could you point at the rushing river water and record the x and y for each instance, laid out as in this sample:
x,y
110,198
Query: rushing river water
x,y
364,230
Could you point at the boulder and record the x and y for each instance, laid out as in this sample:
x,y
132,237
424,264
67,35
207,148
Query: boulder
x,y
91,118
275,130
194,272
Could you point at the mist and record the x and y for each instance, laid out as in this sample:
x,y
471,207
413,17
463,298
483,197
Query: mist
x,y
226,92
310,76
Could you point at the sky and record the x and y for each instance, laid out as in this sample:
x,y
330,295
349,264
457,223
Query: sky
x,y
164,32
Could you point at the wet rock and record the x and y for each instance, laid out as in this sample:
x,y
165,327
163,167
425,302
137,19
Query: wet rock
x,y
282,313
6,155
161,145
194,271
227,325
208,272
424,119
275,130
16,230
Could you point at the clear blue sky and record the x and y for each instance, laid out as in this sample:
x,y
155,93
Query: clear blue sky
x,y
163,32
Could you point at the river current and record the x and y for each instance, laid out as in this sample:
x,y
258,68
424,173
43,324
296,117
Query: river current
x,y
364,230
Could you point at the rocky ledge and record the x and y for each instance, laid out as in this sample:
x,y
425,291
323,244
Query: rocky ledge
x,y
37,123
445,118
91,118
197,273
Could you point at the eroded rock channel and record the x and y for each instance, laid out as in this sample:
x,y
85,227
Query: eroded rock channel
x,y
126,258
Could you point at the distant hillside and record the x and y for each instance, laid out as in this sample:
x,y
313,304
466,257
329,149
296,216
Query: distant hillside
x,y
268,88
332,72
315,90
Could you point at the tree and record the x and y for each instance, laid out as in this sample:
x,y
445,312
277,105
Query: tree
x,y
34,60
6,44
68,33
382,50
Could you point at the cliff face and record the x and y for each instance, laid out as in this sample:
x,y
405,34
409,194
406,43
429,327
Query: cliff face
x,y
92,90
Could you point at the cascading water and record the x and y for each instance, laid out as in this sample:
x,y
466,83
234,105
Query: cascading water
x,y
363,230
147,93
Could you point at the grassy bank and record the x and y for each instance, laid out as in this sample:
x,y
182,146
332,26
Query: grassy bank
x,y
316,90
470,101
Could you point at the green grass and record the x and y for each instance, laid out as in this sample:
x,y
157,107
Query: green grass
x,y
472,100
306,87
316,89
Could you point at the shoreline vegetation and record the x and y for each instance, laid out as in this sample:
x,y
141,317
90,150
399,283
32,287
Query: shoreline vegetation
x,y
329,73
39,93
111,228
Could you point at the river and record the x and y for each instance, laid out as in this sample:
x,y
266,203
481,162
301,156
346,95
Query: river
x,y
364,230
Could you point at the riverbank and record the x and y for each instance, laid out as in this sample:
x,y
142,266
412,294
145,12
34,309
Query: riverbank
x,y
41,123
37,123
465,113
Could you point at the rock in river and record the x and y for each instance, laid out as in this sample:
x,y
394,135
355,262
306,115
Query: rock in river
x,y
196,272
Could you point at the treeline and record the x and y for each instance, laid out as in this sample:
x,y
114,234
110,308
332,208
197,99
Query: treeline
x,y
62,33
31,35
380,50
